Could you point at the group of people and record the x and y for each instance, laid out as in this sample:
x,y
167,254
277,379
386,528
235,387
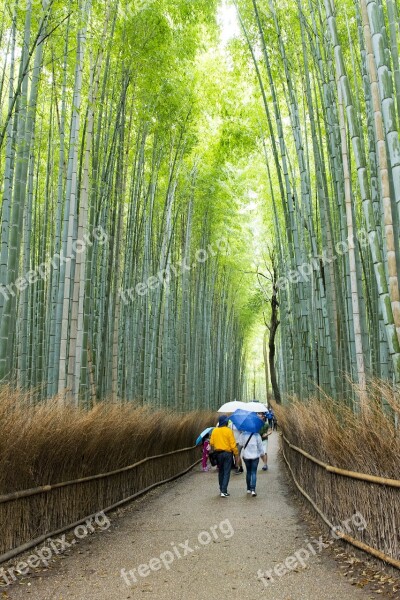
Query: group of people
x,y
271,418
232,447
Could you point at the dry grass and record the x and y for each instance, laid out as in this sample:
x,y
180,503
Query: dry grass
x,y
50,443
368,443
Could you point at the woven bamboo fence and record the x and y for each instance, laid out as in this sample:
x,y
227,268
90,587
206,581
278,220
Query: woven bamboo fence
x,y
337,494
28,517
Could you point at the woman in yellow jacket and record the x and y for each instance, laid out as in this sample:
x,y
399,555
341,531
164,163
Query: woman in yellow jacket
x,y
223,442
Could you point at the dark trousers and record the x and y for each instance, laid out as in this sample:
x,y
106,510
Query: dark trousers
x,y
224,470
251,473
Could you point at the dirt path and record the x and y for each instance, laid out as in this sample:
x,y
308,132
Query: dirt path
x,y
227,541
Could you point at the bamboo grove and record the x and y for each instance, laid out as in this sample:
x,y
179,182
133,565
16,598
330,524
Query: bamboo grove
x,y
115,275
330,85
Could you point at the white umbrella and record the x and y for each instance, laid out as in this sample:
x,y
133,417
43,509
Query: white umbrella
x,y
254,406
230,407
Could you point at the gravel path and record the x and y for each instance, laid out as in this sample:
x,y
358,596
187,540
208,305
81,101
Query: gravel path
x,y
227,541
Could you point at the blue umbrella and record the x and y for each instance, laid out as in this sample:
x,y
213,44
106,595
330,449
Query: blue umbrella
x,y
246,421
203,433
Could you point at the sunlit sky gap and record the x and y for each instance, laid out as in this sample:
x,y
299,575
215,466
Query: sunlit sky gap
x,y
228,22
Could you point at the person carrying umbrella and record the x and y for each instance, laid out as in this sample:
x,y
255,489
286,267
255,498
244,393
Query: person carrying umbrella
x,y
223,443
250,424
206,449
252,451
265,432
204,440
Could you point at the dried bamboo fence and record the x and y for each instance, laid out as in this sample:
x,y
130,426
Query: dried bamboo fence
x,y
29,517
337,494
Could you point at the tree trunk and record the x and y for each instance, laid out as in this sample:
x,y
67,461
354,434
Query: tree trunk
x,y
273,328
266,359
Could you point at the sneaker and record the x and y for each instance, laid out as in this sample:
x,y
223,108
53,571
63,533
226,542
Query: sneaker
x,y
238,472
265,468
249,491
224,495
253,493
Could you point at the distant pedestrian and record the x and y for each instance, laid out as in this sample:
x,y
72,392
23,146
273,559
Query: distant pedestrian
x,y
223,442
252,451
270,417
265,432
275,423
236,433
206,450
